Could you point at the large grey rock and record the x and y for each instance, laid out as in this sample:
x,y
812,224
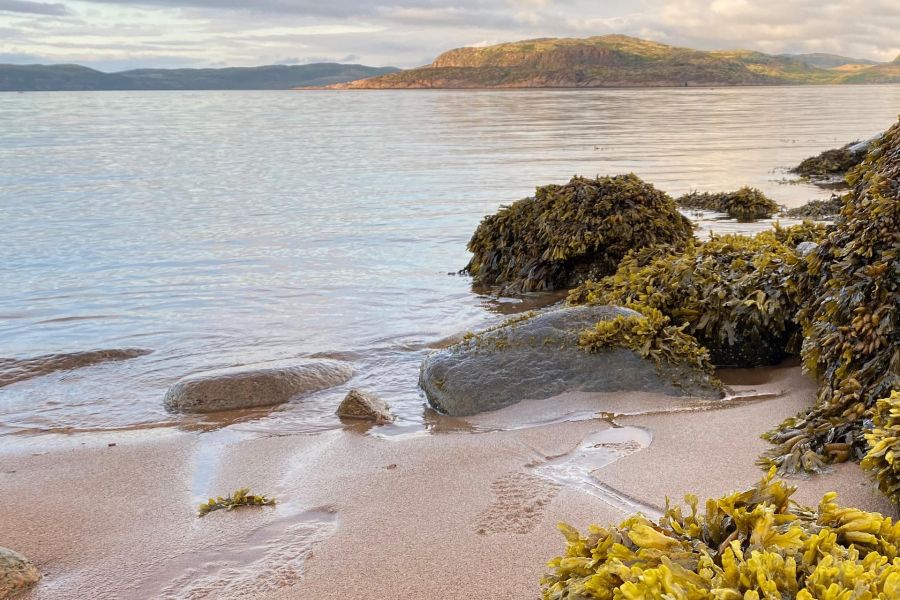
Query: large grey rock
x,y
361,405
538,357
243,387
16,573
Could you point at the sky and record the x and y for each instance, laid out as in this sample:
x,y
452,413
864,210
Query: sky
x,y
114,35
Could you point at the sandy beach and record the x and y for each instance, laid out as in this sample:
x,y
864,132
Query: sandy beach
x,y
469,512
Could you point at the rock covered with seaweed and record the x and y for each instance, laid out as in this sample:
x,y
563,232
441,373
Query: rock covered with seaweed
x,y
746,204
585,348
818,210
851,286
833,165
568,233
753,544
728,292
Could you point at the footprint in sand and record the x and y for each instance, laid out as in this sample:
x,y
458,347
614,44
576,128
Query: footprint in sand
x,y
519,504
269,559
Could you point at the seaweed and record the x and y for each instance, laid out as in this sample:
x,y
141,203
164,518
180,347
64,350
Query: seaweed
x,y
746,204
830,164
884,446
754,544
568,233
651,335
807,231
237,499
851,289
729,292
820,210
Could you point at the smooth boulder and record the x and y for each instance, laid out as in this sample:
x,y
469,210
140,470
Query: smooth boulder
x,y
362,405
16,573
243,387
537,357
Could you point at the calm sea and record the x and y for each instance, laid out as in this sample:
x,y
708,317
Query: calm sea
x,y
232,228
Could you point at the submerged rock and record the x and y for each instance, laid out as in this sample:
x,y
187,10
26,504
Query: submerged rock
x,y
361,405
16,573
13,370
538,356
243,387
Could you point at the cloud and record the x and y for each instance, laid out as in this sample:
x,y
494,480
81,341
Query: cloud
x,y
33,8
412,32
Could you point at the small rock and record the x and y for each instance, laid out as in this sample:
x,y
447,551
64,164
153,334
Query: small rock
x,y
360,405
228,389
16,573
804,249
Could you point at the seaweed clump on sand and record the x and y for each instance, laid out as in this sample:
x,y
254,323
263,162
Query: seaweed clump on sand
x,y
851,283
240,498
746,204
568,233
832,165
750,545
732,293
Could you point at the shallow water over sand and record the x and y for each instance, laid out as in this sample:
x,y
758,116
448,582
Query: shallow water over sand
x,y
218,229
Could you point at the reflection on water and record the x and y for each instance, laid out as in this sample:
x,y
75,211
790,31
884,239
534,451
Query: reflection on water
x,y
220,229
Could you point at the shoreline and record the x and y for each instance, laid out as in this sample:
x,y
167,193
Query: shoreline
x,y
377,516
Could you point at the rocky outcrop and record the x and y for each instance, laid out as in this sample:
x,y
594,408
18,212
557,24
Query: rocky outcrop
x,y
831,166
16,573
362,405
244,387
538,356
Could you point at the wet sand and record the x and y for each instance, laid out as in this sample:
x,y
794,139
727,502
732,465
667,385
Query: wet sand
x,y
448,515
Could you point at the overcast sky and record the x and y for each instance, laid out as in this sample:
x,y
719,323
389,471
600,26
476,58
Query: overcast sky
x,y
119,34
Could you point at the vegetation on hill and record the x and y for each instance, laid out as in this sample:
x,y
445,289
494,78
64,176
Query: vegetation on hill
x,y
30,78
610,61
829,61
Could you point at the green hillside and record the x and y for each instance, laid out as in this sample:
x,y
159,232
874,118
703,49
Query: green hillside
x,y
614,61
829,61
30,78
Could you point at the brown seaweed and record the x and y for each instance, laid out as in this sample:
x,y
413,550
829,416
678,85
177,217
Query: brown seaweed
x,y
568,233
753,544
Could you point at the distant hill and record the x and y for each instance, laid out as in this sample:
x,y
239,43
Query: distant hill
x,y
615,61
31,78
829,61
